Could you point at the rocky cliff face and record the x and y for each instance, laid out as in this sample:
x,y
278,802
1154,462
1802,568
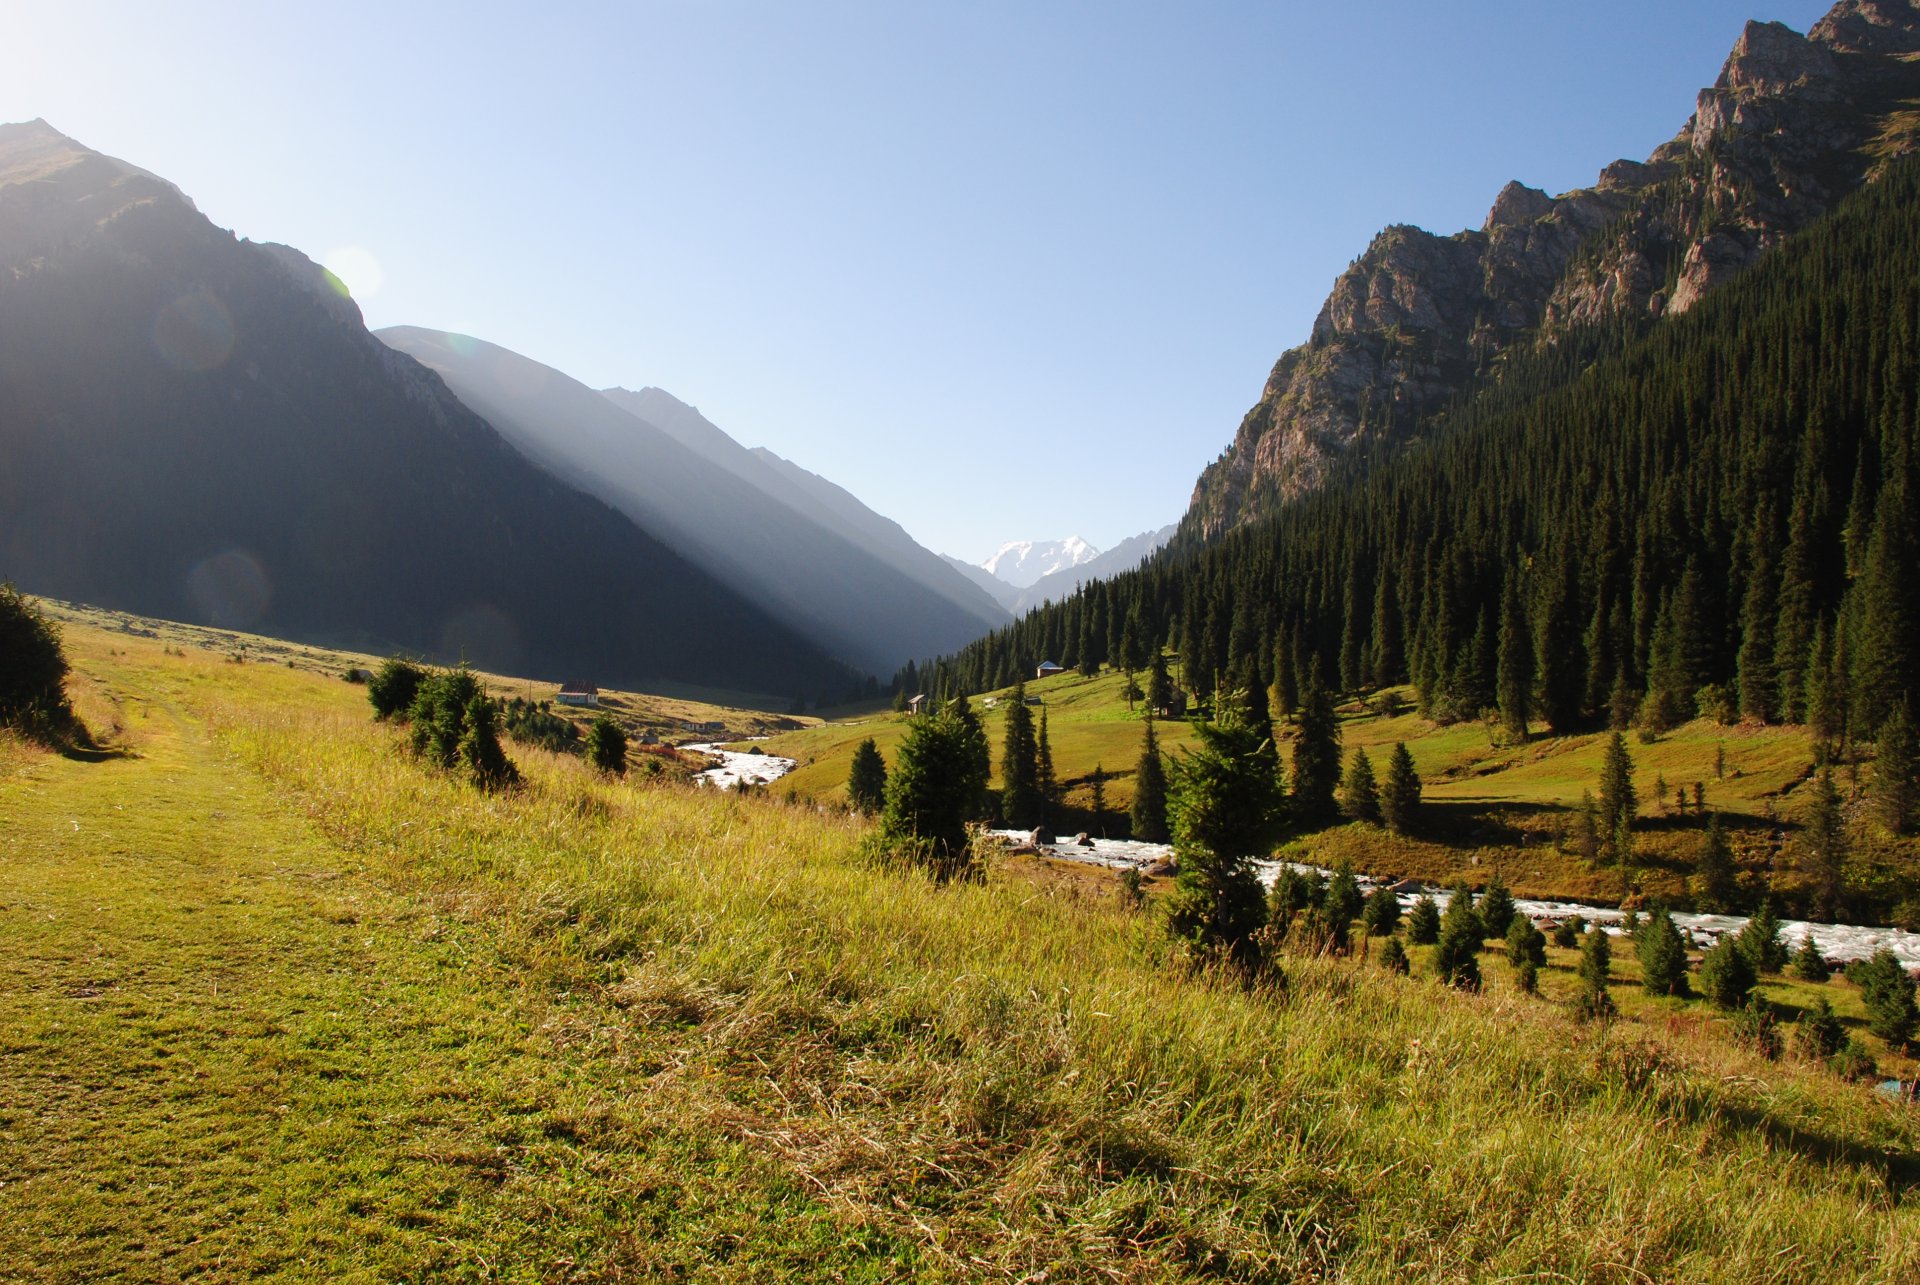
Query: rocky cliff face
x,y
1793,123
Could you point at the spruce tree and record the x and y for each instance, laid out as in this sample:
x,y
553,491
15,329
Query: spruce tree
x,y
1150,791
1359,793
1343,905
1726,975
1888,994
1381,913
938,784
1760,940
1400,801
1824,704
1423,922
1594,1000
488,766
1393,957
1715,882
1044,778
1663,955
391,690
1516,662
1022,805
1456,957
606,745
867,779
1227,810
1884,607
1809,965
1316,754
1824,848
1819,1034
1159,685
1098,799
1617,804
1896,772
1559,653
1496,908
1526,944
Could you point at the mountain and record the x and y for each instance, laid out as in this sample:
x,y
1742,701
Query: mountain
x,y
1062,583
725,509
999,590
1792,124
1023,562
815,498
200,427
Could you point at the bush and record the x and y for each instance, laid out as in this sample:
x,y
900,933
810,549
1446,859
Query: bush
x,y
1566,933
391,691
532,724
1818,1035
607,746
1393,957
1726,974
454,723
33,695
1853,1063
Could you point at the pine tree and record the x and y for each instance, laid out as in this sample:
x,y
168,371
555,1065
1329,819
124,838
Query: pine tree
x,y
1755,673
1824,703
1560,656
1456,957
1150,791
1159,686
867,779
1393,957
1885,610
1726,975
938,784
1496,908
487,764
606,746
1227,811
1423,922
1888,993
1715,880
1044,779
1809,965
1359,793
392,689
1384,659
1760,939
1516,663
1400,801
1663,955
1896,772
1022,805
1824,854
1316,754
1586,829
1617,804
1526,944
1594,1000
1342,907
1381,913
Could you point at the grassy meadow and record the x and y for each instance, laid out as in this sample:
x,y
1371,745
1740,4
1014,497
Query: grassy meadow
x,y
1487,807
277,1001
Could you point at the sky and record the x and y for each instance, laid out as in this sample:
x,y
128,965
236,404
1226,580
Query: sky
x,y
1007,269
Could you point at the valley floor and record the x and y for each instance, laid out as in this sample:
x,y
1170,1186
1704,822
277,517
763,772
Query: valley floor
x,y
277,1002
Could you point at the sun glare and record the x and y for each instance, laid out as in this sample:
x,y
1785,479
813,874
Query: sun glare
x,y
358,269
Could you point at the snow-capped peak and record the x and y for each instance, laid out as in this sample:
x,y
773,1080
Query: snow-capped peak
x,y
1024,561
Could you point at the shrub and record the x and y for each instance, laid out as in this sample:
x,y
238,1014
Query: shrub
x,y
1393,957
1818,1035
1853,1063
392,689
1566,933
1754,1025
454,723
607,746
1527,977
33,696
1726,974
1423,922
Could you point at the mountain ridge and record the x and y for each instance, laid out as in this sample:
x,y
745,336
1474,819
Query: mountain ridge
x,y
1791,124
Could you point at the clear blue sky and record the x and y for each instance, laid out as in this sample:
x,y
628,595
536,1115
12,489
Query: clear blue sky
x,y
1005,269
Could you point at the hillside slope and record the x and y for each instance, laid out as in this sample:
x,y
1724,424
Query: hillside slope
x,y
200,427
713,502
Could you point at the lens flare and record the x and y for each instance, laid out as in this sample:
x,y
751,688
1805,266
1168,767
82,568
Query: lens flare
x,y
231,588
357,269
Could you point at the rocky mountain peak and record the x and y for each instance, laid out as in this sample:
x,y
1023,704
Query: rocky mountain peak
x,y
1870,27
1790,126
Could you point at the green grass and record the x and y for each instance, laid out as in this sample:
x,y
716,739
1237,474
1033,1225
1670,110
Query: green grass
x,y
1488,807
278,1002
